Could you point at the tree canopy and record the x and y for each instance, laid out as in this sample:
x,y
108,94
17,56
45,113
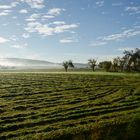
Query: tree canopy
x,y
67,64
92,63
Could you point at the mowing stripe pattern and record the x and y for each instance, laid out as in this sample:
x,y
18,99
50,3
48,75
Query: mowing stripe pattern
x,y
37,104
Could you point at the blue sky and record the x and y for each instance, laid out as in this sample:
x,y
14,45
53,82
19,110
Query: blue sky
x,y
58,30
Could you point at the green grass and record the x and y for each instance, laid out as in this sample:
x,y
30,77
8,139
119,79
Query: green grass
x,y
74,105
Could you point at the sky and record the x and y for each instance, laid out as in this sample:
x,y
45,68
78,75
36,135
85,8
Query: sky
x,y
59,30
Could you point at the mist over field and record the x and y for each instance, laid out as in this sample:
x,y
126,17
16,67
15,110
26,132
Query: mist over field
x,y
69,70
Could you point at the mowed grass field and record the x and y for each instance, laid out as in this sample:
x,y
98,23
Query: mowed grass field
x,y
41,106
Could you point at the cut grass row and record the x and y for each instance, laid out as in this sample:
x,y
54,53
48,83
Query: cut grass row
x,y
44,104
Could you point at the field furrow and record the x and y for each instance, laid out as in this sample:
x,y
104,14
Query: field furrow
x,y
34,104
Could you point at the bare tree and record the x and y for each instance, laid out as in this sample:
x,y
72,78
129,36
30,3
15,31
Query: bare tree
x,y
92,63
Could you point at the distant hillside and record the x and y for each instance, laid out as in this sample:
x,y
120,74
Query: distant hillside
x,y
27,63
20,63
80,65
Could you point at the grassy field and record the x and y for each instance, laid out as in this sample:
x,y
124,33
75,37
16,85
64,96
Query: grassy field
x,y
72,106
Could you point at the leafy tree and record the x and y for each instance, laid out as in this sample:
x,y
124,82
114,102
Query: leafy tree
x,y
122,63
119,63
71,64
67,64
105,65
115,64
132,60
135,60
92,63
128,59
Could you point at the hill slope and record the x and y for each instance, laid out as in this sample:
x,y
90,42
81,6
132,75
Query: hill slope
x,y
27,63
20,63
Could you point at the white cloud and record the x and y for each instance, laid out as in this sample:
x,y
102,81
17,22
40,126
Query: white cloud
x,y
46,17
14,17
125,49
125,34
133,9
35,23
65,40
5,12
64,28
19,46
5,24
33,17
14,38
12,5
38,4
25,35
5,6
101,41
6,9
52,13
31,26
68,40
99,3
59,22
46,30
23,11
55,11
3,40
97,44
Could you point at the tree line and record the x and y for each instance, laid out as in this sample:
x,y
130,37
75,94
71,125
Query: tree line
x,y
129,62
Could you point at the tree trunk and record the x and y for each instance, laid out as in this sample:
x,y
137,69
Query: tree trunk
x,y
93,68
